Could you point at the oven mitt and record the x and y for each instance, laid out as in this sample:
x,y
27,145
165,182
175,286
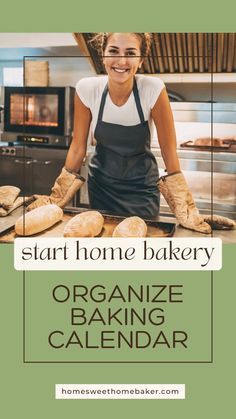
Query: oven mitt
x,y
18,202
9,199
179,198
65,187
175,190
218,222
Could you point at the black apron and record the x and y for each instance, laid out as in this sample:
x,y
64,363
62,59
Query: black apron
x,y
123,171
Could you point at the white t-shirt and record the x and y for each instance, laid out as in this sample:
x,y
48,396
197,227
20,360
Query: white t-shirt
x,y
90,91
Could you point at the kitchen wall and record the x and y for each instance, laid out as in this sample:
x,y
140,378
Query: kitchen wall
x,y
64,71
66,63
67,66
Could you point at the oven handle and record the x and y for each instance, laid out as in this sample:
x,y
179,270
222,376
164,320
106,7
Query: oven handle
x,y
17,161
46,162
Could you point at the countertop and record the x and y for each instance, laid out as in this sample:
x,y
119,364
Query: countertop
x,y
227,236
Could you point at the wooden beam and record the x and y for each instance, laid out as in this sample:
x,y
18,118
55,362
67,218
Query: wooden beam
x,y
84,49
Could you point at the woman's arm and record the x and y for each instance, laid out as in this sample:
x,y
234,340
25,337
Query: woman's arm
x,y
78,147
164,122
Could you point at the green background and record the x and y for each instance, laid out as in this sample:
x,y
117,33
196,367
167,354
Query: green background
x,y
28,389
122,15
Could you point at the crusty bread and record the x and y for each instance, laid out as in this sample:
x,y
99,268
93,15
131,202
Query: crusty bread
x,y
38,220
85,224
8,195
131,227
207,142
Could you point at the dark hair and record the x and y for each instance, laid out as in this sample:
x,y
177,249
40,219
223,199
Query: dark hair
x,y
99,41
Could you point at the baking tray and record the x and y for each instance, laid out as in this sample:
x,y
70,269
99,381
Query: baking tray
x,y
190,144
155,228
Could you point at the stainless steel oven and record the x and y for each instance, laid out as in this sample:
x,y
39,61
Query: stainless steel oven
x,y
38,115
37,131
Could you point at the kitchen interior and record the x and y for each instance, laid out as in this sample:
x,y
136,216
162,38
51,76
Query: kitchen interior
x,y
199,71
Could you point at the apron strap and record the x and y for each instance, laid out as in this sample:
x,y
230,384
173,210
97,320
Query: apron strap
x,y
136,97
137,101
102,104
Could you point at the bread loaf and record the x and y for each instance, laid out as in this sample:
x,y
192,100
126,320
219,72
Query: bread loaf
x,y
85,224
8,195
38,220
208,142
131,227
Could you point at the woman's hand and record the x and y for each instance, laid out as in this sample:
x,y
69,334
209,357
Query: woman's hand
x,y
164,122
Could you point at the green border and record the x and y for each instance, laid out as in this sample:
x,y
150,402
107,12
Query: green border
x,y
152,15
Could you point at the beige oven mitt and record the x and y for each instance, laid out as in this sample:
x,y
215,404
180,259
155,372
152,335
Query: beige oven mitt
x,y
218,222
9,199
175,190
65,187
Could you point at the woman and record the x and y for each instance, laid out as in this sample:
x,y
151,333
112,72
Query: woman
x,y
123,172
122,107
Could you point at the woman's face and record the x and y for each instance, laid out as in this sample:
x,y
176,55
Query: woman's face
x,y
122,56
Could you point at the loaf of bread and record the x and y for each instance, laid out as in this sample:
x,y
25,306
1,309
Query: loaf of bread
x,y
38,220
8,195
85,224
208,142
131,227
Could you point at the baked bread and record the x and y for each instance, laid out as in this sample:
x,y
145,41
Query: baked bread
x,y
8,195
208,142
85,224
131,227
38,220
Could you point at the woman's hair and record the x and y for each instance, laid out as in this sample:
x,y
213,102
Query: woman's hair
x,y
99,41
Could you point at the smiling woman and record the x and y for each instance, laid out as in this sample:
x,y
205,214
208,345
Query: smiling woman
x,y
100,41
123,172
122,109
122,60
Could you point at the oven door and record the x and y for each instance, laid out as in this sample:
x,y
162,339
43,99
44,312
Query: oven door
x,y
38,110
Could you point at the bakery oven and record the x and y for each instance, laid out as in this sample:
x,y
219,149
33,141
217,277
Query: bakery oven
x,y
37,131
42,115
